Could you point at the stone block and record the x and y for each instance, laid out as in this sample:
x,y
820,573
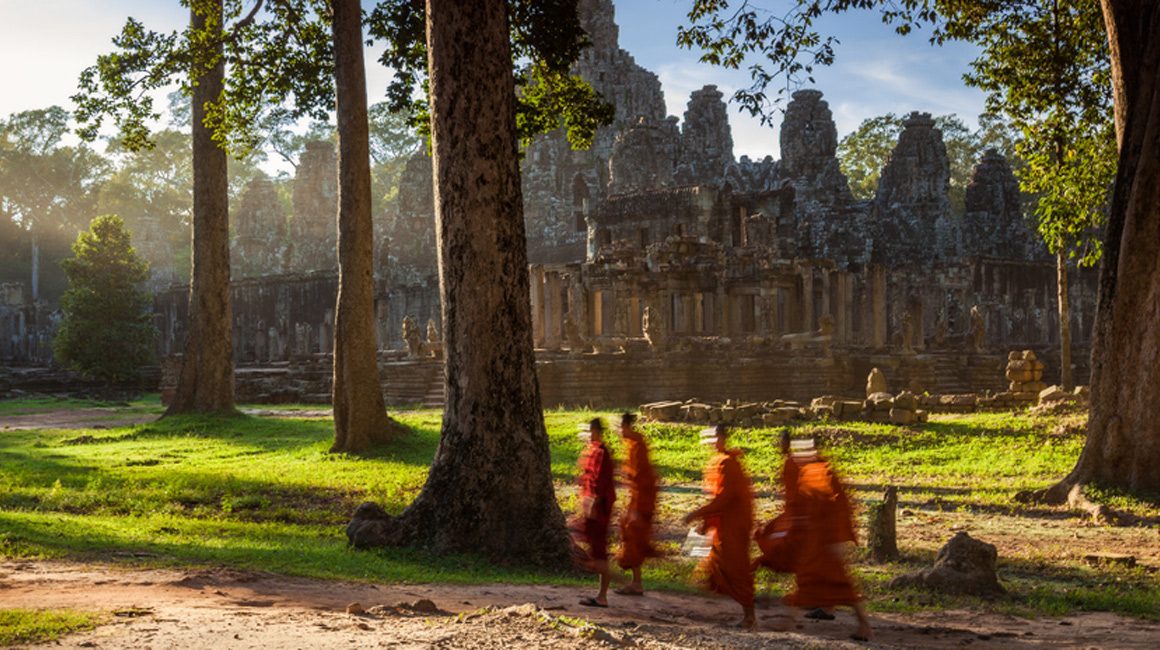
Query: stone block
x,y
906,400
774,418
1029,355
661,411
1053,394
921,416
901,416
848,409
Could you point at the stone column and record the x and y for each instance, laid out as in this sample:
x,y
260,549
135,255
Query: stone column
x,y
553,310
807,275
877,281
536,272
841,310
826,292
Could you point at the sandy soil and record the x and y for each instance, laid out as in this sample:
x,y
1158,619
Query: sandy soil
x,y
231,609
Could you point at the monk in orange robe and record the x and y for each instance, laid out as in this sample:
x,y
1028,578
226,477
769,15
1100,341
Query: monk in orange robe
x,y
775,538
636,522
729,518
597,494
826,521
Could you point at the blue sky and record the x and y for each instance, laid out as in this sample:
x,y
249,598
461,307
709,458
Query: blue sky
x,y
46,43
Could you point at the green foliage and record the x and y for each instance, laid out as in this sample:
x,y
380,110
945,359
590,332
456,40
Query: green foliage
x,y
27,626
107,331
1045,66
47,193
278,57
546,39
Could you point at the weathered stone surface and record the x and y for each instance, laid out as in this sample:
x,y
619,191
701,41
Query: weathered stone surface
x,y
882,539
260,222
964,566
911,211
875,382
313,229
706,146
994,222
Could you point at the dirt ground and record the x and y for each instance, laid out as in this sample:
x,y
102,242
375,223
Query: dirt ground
x,y
152,609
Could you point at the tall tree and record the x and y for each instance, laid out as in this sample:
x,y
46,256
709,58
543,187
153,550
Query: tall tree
x,y
1123,443
206,382
360,416
107,330
119,85
489,489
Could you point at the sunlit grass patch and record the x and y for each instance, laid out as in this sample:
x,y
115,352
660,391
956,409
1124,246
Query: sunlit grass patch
x,y
24,626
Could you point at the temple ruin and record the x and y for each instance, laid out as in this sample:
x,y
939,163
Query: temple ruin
x,y
663,267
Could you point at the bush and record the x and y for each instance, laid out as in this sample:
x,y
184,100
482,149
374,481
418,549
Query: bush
x,y
107,331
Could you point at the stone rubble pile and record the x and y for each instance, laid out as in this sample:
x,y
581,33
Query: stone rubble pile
x,y
1025,372
731,412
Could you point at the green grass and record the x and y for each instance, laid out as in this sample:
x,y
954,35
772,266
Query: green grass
x,y
24,626
144,404
264,494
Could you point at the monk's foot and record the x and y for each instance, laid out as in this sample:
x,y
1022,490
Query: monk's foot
x,y
864,633
748,623
630,590
594,602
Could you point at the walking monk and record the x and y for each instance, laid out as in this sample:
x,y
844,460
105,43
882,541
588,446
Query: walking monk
x,y
636,522
775,539
597,494
729,518
825,521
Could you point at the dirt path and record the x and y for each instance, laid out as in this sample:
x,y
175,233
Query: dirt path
x,y
231,609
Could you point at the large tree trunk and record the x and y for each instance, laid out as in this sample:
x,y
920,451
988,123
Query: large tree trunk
x,y
1123,443
1065,377
360,417
206,382
489,489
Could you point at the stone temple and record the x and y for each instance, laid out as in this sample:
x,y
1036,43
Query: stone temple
x,y
664,267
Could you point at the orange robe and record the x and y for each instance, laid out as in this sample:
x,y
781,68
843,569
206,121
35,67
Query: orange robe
x,y
636,523
826,520
776,538
729,517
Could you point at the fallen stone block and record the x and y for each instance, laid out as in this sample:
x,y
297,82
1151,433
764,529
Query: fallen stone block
x,y
964,566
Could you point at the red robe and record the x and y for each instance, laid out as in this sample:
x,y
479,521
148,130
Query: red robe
x,y
729,518
776,538
827,520
596,483
636,523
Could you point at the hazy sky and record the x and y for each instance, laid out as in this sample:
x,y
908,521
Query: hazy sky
x,y
45,44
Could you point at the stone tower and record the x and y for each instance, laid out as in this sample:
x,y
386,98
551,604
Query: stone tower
x,y
260,223
994,224
911,210
313,233
706,139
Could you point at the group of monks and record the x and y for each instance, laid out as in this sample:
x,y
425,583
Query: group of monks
x,y
807,539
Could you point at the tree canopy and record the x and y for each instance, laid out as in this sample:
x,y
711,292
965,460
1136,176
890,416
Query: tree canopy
x,y
107,330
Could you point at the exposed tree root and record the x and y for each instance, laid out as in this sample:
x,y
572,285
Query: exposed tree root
x,y
1071,492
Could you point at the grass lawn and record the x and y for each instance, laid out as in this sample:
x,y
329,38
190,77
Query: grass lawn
x,y
263,493
23,626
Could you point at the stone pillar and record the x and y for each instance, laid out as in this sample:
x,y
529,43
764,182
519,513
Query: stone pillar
x,y
826,303
844,310
536,272
553,310
877,280
807,275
